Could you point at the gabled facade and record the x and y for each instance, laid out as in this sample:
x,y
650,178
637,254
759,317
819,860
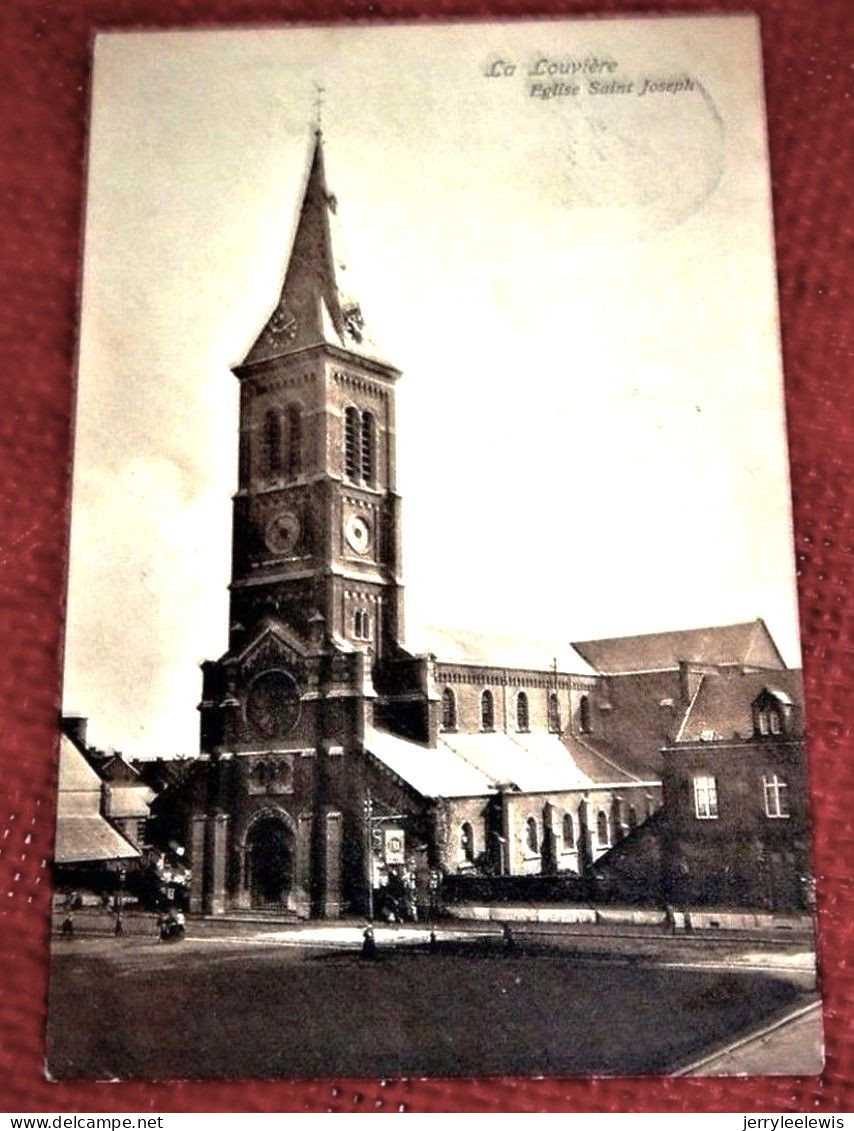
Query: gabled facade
x,y
736,830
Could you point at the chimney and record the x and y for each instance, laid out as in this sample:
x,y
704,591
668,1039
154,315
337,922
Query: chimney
x,y
74,727
684,683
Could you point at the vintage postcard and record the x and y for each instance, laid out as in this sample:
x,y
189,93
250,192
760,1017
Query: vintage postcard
x,y
432,699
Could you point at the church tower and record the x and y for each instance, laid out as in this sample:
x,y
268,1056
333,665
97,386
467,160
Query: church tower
x,y
315,597
316,516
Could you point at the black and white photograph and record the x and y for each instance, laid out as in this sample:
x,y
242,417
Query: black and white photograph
x,y
432,699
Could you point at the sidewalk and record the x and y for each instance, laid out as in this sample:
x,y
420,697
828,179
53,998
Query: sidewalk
x,y
793,1043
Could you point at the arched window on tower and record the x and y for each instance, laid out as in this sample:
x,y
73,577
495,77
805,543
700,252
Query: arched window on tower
x,y
352,444
568,833
487,711
449,710
272,443
369,448
554,713
294,440
523,716
584,714
362,624
532,839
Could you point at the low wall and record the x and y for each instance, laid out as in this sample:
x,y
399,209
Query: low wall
x,y
525,913
688,920
738,920
515,889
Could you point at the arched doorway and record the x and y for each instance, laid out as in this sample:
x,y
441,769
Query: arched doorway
x,y
269,861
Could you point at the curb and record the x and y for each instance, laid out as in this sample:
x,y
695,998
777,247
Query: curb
x,y
695,1067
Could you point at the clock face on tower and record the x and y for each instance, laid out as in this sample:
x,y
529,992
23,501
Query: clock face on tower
x,y
283,324
282,532
357,531
273,703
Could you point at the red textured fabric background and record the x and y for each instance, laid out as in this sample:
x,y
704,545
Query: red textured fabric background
x,y
44,98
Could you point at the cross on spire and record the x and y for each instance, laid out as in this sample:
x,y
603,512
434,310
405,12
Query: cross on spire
x,y
319,91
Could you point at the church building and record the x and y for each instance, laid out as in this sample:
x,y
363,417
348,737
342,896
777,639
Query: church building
x,y
334,750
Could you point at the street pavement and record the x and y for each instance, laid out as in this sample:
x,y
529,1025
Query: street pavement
x,y
302,1000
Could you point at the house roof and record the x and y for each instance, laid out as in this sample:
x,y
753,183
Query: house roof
x,y
87,839
82,834
161,773
722,706
76,776
602,763
748,644
116,768
461,646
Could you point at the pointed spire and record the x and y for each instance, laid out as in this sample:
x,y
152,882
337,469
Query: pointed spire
x,y
314,307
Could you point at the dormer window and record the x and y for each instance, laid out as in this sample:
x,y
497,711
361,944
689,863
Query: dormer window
x,y
770,721
771,712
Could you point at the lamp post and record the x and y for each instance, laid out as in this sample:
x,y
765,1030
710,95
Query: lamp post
x,y
369,852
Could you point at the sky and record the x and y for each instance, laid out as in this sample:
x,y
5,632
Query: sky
x,y
580,291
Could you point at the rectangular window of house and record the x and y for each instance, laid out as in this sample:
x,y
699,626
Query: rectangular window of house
x,y
776,796
705,798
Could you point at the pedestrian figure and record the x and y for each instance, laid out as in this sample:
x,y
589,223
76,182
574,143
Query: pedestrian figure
x,y
434,942
119,929
67,929
507,938
369,945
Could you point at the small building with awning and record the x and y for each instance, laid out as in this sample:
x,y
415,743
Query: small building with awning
x,y
89,850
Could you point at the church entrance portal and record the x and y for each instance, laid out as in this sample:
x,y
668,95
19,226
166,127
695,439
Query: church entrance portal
x,y
269,862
